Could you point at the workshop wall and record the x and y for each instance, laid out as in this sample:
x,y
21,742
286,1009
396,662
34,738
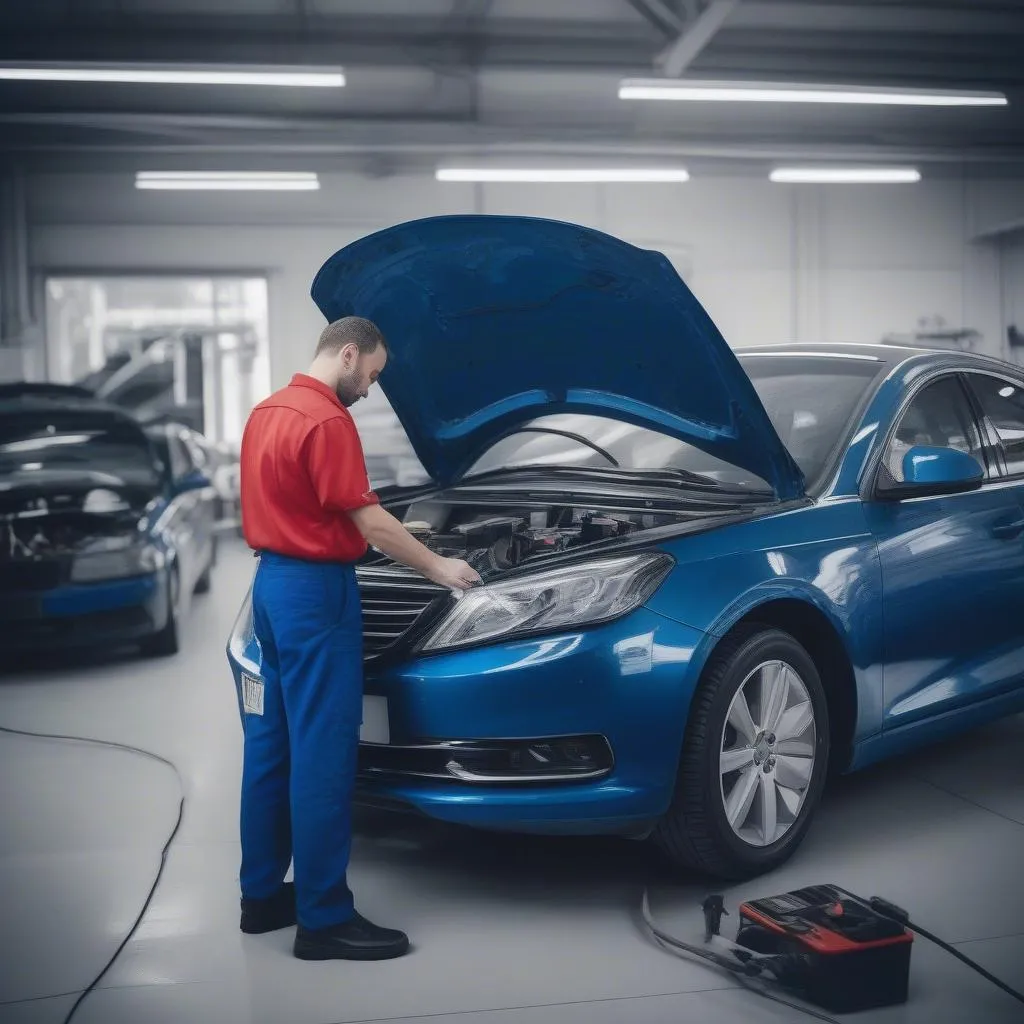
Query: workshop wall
x,y
771,263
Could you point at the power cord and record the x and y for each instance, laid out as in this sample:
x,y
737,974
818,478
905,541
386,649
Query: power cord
x,y
900,916
163,854
749,971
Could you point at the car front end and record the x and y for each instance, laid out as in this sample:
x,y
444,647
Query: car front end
x,y
84,561
56,591
551,698
550,702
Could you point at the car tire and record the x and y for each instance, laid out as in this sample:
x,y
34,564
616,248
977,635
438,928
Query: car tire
x,y
724,771
166,642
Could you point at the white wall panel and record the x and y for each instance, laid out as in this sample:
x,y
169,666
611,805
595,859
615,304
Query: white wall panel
x,y
902,227
771,263
864,305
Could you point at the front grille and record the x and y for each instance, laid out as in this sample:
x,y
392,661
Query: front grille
x,y
20,575
393,600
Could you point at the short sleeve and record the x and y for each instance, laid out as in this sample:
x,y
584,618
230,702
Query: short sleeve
x,y
337,468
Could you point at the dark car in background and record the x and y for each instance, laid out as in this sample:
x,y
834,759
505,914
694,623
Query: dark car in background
x,y
102,541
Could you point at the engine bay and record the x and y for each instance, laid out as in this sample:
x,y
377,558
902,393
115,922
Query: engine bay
x,y
59,535
497,539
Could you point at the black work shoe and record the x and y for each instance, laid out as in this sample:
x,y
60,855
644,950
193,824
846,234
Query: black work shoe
x,y
355,939
259,916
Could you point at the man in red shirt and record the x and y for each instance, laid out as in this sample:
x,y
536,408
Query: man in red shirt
x,y
309,511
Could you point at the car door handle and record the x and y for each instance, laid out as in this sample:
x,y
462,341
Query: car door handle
x,y
1007,530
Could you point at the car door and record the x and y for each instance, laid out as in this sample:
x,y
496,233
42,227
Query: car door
x,y
952,567
186,520
205,510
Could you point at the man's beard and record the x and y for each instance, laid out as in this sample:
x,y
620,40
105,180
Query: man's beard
x,y
347,391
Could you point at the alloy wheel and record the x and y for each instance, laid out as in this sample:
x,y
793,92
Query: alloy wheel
x,y
767,753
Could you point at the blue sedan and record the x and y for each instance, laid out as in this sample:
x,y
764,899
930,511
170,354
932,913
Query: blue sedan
x,y
709,577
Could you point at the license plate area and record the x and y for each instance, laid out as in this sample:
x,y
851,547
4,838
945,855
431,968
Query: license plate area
x,y
376,727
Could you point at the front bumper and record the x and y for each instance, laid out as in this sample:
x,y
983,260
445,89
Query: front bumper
x,y
628,683
85,614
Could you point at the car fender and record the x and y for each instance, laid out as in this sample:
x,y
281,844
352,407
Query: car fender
x,y
777,590
838,576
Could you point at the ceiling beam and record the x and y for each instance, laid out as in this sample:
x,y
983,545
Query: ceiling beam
x,y
658,14
186,135
678,56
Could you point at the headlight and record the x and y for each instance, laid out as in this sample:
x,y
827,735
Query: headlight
x,y
580,595
107,561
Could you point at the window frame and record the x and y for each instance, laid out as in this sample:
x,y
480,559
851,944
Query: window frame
x,y
993,442
874,493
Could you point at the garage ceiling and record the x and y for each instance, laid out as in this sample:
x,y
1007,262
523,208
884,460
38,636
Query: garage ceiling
x,y
433,79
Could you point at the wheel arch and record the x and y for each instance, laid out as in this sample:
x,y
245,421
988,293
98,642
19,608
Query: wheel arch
x,y
819,634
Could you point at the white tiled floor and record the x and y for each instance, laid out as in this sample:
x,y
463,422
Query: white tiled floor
x,y
506,930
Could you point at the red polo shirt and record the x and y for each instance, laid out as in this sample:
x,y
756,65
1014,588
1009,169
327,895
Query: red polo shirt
x,y
302,470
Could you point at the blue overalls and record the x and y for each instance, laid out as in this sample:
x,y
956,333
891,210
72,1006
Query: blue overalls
x,y
301,753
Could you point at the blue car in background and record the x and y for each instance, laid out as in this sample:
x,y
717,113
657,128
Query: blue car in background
x,y
708,576
102,542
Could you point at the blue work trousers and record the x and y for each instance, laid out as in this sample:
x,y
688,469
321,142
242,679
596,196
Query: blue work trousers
x,y
301,753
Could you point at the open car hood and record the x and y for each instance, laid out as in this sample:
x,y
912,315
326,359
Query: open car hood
x,y
492,321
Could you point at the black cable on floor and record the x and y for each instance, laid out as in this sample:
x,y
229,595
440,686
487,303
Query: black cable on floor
x,y
899,915
163,854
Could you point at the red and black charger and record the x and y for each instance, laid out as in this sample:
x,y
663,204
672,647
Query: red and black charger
x,y
839,952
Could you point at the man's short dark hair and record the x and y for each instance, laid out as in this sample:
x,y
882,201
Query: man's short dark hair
x,y
351,330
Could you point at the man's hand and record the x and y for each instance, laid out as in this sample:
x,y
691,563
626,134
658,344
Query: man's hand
x,y
384,532
453,573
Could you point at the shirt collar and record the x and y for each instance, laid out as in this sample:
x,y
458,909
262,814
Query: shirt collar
x,y
303,380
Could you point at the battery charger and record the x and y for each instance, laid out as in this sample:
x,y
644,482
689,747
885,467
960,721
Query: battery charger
x,y
840,953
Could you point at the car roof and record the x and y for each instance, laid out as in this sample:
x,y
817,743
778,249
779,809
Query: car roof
x,y
888,355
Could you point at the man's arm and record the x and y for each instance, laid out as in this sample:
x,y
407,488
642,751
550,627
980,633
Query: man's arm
x,y
338,474
384,532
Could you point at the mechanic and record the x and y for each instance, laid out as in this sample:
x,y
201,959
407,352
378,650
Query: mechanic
x,y
309,513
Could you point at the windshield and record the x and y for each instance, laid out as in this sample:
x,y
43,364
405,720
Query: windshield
x,y
62,441
809,399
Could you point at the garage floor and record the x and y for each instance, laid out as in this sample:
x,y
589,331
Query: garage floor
x,y
505,930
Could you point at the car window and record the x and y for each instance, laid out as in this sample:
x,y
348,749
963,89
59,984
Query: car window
x,y
181,464
1003,406
939,416
810,400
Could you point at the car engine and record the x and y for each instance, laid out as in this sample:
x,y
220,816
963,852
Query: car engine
x,y
494,543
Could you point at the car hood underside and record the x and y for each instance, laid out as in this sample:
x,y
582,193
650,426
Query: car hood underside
x,y
492,321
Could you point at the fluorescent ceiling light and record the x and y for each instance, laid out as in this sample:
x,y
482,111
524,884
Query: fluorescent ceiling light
x,y
565,174
777,92
846,175
174,74
228,181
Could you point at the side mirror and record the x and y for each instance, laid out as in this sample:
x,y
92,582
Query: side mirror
x,y
194,481
929,471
